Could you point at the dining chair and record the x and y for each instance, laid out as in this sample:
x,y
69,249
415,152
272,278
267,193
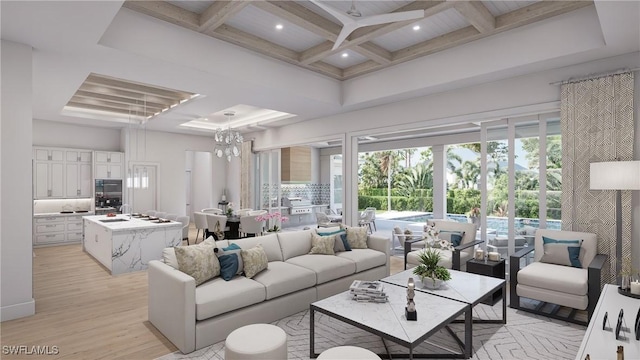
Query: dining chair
x,y
200,219
216,224
212,211
161,214
151,212
185,227
172,217
243,212
250,225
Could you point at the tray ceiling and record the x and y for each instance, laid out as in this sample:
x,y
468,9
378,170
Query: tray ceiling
x,y
307,32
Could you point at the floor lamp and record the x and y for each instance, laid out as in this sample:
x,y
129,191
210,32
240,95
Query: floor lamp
x,y
616,175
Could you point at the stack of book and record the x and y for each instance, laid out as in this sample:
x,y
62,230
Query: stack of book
x,y
369,291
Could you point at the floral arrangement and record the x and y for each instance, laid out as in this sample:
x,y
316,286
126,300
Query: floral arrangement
x,y
430,233
230,209
274,219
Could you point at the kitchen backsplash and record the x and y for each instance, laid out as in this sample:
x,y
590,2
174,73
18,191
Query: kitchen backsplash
x,y
49,206
318,194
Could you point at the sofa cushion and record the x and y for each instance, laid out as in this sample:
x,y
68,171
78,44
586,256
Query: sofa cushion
x,y
340,242
454,237
217,296
231,263
327,268
322,245
283,278
254,260
199,262
269,243
365,258
564,279
357,237
169,254
294,243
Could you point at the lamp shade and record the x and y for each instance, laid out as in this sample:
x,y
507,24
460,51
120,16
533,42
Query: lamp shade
x,y
615,175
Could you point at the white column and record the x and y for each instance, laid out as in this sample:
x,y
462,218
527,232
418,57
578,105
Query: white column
x,y
350,171
315,165
439,181
16,207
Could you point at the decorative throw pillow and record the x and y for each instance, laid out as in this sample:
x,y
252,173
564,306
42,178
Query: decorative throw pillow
x,y
408,234
255,260
345,243
230,261
338,243
218,231
561,252
357,237
322,244
454,237
198,261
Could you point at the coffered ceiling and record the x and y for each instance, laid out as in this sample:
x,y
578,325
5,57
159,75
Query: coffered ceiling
x,y
303,34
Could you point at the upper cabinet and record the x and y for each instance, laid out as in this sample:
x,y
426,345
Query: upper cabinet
x,y
62,173
108,165
296,164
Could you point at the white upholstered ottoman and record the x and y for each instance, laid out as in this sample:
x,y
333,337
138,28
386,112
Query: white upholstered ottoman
x,y
347,353
256,341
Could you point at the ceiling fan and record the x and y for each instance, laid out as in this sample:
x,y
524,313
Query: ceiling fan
x,y
353,19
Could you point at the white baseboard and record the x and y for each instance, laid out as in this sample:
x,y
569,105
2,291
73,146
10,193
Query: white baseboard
x,y
17,311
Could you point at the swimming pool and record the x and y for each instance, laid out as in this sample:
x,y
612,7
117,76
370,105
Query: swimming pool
x,y
499,223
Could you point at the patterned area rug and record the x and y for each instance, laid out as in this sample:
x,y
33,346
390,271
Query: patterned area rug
x,y
525,336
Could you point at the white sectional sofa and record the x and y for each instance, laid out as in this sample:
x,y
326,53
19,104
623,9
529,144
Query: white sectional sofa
x,y
193,317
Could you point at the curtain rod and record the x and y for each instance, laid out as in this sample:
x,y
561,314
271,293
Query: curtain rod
x,y
594,76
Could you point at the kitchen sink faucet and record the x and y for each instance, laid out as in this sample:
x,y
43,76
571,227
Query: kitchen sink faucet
x,y
126,206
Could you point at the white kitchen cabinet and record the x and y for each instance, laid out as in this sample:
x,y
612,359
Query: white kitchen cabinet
x,y
57,229
108,165
78,180
47,154
49,180
78,156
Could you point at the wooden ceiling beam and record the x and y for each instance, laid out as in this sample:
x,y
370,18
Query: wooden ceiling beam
x,y
97,89
302,17
252,42
134,108
477,15
374,52
137,87
118,99
219,12
166,11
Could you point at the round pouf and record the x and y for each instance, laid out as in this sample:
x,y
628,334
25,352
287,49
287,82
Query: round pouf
x,y
347,352
256,341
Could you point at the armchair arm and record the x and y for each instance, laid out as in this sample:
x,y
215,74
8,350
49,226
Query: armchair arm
x,y
408,248
455,259
172,308
594,272
514,267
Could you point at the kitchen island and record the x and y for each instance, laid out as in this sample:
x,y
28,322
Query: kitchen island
x,y
126,244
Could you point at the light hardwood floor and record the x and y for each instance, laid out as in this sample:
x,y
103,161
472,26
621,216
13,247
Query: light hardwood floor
x,y
87,313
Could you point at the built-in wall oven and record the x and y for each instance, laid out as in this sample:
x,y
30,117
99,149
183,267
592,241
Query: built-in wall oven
x,y
108,196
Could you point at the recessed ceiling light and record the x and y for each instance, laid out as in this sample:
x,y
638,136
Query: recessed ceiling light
x,y
416,27
279,27
344,54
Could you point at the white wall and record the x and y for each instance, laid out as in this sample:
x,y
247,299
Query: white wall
x,y
202,180
16,295
57,134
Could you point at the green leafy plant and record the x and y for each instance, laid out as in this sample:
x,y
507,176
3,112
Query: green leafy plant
x,y
429,268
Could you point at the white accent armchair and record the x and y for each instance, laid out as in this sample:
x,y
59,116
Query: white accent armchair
x,y
574,287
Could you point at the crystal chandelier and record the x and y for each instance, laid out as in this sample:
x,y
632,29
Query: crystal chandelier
x,y
227,141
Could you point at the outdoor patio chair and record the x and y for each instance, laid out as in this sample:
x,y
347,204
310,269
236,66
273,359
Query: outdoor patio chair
x,y
323,220
456,259
559,275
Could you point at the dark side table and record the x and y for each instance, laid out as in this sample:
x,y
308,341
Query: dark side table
x,y
488,268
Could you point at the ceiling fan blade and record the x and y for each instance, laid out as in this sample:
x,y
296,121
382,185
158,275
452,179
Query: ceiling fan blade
x,y
392,17
346,30
344,19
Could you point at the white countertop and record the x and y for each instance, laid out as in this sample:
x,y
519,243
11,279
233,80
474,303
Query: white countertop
x,y
59,214
130,224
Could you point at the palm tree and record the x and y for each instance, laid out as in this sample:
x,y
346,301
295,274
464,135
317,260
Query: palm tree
x,y
386,166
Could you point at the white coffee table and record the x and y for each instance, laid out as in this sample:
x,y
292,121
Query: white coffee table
x,y
388,320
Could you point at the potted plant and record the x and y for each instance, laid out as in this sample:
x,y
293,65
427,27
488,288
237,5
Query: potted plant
x,y
429,269
230,210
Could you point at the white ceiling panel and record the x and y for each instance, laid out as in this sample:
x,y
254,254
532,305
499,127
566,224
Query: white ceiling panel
x,y
261,23
502,7
430,27
197,7
367,8
341,62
